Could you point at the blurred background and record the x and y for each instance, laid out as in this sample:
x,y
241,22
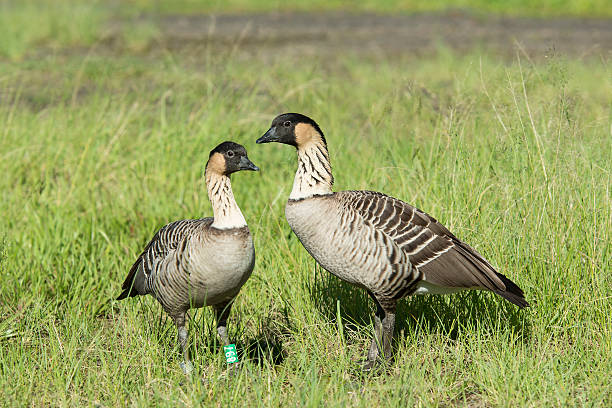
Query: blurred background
x,y
494,116
384,27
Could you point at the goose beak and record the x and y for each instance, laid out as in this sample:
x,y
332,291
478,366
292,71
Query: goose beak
x,y
268,137
246,164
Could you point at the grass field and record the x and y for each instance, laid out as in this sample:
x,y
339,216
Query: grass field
x,y
30,24
99,149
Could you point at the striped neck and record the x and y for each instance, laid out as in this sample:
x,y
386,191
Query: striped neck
x,y
314,173
226,212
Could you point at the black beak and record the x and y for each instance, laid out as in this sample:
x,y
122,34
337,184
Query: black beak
x,y
268,137
246,164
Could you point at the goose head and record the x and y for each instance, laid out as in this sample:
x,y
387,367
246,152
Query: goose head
x,y
228,158
293,129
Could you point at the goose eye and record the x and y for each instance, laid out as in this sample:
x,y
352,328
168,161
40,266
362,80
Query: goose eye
x,y
286,123
230,154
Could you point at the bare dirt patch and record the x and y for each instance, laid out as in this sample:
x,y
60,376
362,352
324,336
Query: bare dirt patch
x,y
376,34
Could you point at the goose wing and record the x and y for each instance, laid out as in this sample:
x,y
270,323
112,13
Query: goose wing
x,y
167,239
431,248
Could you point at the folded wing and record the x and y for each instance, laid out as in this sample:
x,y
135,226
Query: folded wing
x,y
167,239
431,248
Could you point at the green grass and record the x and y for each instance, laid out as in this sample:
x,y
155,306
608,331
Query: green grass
x,y
25,25
98,151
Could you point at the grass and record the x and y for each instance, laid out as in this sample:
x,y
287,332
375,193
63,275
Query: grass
x,y
26,25
97,151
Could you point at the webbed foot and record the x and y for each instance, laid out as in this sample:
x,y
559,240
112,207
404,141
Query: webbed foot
x,y
187,367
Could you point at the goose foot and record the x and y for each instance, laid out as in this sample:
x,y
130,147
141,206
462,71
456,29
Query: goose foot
x,y
372,366
187,367
232,370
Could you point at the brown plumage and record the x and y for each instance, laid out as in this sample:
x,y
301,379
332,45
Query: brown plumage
x,y
202,262
374,241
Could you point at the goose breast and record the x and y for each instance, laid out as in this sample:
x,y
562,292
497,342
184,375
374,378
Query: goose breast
x,y
348,246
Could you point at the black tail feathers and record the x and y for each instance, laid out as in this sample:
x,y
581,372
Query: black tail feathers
x,y
513,293
127,293
129,285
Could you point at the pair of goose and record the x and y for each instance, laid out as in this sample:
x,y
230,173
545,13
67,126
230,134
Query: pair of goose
x,y
376,242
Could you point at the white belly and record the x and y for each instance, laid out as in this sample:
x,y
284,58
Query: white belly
x,y
333,245
426,288
218,271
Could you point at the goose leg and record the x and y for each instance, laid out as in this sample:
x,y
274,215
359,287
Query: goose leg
x,y
376,340
183,337
384,325
388,326
222,312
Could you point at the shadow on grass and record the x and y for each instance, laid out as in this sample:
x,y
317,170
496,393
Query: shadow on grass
x,y
447,314
262,350
262,347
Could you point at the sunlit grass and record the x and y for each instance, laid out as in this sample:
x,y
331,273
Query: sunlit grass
x,y
97,153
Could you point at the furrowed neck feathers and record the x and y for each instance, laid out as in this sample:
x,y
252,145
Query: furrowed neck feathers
x,y
314,173
226,212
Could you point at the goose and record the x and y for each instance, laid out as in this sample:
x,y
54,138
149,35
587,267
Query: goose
x,y
374,241
202,262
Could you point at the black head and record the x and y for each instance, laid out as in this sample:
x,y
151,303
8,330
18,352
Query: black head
x,y
229,157
292,129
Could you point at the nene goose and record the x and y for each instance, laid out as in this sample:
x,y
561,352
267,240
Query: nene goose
x,y
374,241
193,263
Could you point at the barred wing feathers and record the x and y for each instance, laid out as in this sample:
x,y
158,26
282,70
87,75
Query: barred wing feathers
x,y
167,239
431,248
